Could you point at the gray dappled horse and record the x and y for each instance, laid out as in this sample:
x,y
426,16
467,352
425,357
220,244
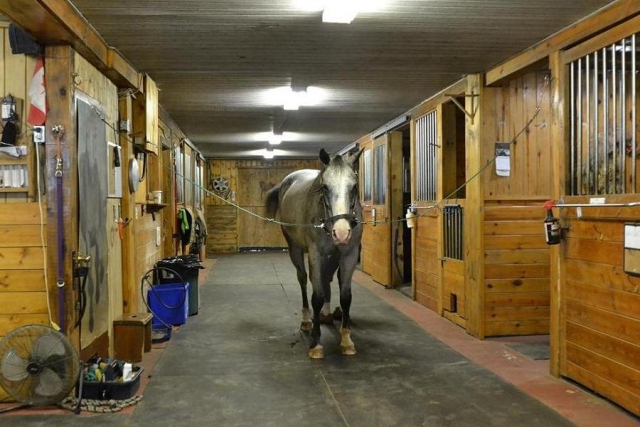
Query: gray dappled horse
x,y
328,197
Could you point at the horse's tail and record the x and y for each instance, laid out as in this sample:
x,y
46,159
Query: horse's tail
x,y
273,199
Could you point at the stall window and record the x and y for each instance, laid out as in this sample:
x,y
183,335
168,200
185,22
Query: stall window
x,y
366,176
380,175
426,156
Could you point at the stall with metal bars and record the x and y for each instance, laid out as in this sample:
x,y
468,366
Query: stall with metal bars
x,y
603,146
598,305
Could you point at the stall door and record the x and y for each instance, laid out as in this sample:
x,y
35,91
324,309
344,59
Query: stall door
x,y
378,246
253,232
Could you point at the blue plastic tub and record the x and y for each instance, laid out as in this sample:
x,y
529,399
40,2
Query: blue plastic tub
x,y
169,303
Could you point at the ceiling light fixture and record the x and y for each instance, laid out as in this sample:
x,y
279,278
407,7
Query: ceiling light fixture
x,y
275,138
340,11
294,99
268,153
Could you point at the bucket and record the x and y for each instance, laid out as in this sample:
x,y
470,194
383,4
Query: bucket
x,y
169,303
157,197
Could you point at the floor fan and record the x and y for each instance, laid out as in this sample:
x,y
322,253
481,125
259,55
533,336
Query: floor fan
x,y
38,365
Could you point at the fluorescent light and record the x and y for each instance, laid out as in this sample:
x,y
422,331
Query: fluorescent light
x,y
340,11
275,139
268,153
293,100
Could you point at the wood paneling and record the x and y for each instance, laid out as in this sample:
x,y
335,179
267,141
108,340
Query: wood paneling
x,y
427,269
222,223
22,285
248,180
512,108
600,322
517,261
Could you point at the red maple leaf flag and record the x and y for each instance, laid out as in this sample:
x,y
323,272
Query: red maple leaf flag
x,y
37,93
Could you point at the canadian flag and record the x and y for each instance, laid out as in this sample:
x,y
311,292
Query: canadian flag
x,y
37,93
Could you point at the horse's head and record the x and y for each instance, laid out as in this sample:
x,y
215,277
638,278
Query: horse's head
x,y
339,185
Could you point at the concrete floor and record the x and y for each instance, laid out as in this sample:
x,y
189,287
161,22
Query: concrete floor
x,y
242,362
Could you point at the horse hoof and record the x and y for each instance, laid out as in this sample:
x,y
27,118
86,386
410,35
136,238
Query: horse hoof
x,y
326,319
306,325
348,350
337,314
316,352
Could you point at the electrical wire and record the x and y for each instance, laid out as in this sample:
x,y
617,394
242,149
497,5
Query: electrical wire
x,y
274,221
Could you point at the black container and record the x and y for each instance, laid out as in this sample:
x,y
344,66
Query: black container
x,y
188,267
112,389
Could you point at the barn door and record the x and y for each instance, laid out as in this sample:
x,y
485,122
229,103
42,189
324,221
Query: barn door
x,y
451,177
381,181
253,232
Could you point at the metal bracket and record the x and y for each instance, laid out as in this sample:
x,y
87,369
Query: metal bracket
x,y
474,107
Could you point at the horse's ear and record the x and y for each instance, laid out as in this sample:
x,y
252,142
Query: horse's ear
x,y
324,157
353,156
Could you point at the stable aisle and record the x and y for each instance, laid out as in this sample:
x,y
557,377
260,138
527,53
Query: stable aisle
x,y
243,362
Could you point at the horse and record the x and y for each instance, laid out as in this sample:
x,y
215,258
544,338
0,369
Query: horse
x,y
320,214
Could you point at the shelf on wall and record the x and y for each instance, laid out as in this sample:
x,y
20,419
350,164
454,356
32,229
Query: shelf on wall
x,y
14,190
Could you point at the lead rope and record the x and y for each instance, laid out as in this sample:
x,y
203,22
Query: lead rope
x,y
99,406
58,132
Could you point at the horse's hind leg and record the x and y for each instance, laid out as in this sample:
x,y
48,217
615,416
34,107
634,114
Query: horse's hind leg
x,y
297,258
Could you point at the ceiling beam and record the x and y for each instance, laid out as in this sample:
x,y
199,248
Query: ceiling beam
x,y
55,22
602,20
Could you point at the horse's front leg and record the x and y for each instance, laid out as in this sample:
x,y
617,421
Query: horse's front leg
x,y
347,266
317,301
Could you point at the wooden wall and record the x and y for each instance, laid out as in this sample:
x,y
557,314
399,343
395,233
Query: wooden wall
x,y
517,272
601,305
426,266
512,106
516,278
22,287
16,72
249,180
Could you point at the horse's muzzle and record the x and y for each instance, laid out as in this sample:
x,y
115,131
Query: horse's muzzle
x,y
341,236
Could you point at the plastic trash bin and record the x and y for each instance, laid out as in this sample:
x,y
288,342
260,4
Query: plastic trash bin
x,y
188,267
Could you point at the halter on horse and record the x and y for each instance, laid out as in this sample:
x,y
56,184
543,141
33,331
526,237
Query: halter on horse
x,y
306,199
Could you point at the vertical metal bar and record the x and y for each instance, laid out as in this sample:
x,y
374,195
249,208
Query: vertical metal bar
x,y
588,124
579,124
572,169
456,237
447,239
426,158
614,87
423,145
623,114
431,162
605,120
417,160
596,128
429,158
634,124
435,155
422,162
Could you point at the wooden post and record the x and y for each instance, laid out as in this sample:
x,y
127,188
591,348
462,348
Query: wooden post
x,y
558,158
130,287
60,99
474,222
